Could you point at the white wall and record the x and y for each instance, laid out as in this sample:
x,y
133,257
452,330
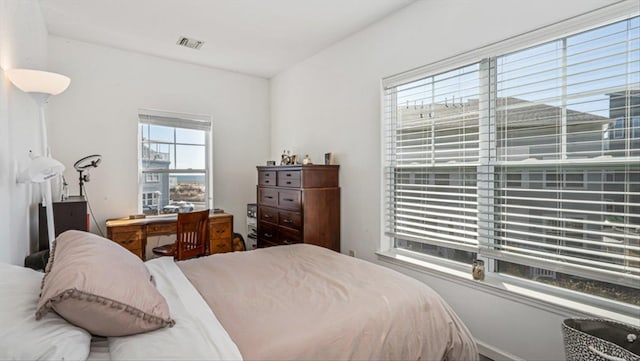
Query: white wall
x,y
98,114
23,44
331,102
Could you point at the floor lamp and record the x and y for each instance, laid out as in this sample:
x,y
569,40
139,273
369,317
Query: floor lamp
x,y
41,85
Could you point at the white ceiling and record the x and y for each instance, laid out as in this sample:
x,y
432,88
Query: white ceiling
x,y
257,37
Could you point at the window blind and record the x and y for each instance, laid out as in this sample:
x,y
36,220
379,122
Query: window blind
x,y
566,182
432,151
532,157
179,120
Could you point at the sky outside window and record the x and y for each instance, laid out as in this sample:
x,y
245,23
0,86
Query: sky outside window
x,y
187,145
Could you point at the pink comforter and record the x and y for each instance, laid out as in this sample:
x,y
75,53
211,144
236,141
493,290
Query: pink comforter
x,y
303,302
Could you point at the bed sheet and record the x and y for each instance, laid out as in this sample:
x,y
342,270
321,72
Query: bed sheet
x,y
197,334
303,302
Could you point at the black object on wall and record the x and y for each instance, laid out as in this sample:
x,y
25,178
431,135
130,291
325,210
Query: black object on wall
x,y
68,214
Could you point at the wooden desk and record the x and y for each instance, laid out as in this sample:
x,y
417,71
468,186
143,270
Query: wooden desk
x,y
132,233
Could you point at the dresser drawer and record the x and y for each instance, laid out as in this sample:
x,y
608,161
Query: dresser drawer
x,y
289,199
267,232
267,178
262,243
289,236
290,219
289,179
268,196
161,229
268,214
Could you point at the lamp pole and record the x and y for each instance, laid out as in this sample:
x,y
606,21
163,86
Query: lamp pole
x,y
42,99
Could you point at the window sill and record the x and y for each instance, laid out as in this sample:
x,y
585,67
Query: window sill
x,y
557,300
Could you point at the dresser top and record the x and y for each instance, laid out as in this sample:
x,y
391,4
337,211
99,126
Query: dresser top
x,y
298,167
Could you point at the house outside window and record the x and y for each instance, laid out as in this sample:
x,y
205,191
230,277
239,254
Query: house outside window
x,y
174,158
560,115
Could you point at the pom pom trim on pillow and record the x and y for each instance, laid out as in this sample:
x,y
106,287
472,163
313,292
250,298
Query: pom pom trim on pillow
x,y
107,302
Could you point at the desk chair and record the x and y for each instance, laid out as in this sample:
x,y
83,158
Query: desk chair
x,y
191,237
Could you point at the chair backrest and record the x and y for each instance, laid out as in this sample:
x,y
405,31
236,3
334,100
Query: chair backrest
x,y
192,234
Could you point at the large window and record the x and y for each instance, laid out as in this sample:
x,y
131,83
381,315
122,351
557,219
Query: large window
x,y
529,160
174,162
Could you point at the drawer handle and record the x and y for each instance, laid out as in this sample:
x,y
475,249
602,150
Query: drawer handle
x,y
220,245
267,174
288,174
268,235
128,241
267,181
266,216
286,242
288,182
288,199
220,231
268,197
287,221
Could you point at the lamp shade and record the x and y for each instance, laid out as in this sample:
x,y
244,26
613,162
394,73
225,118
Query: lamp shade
x,y
40,169
38,81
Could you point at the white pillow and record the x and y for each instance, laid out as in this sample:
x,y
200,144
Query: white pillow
x,y
24,338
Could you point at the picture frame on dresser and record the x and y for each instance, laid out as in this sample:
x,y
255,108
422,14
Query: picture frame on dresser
x,y
328,158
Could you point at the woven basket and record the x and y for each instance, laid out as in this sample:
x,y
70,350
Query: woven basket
x,y
591,339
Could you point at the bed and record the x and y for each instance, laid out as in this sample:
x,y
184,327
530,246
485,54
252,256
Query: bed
x,y
298,302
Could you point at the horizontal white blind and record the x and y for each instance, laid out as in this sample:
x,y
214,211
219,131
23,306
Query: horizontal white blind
x,y
432,150
532,157
566,182
179,120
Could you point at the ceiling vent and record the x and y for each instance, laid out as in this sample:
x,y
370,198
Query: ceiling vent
x,y
190,43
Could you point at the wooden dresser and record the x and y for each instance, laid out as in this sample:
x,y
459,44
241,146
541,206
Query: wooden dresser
x,y
132,233
299,204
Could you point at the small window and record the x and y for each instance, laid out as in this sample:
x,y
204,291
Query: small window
x,y
574,180
152,178
564,180
514,180
618,129
442,179
174,158
552,180
635,127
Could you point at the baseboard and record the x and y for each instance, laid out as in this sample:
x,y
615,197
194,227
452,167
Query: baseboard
x,y
495,353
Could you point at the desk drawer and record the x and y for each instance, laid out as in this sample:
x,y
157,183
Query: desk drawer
x,y
220,246
267,178
130,241
289,199
137,252
130,238
219,230
289,179
161,229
